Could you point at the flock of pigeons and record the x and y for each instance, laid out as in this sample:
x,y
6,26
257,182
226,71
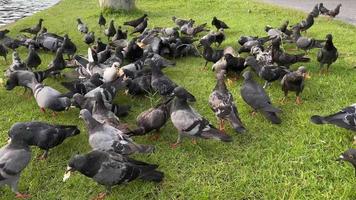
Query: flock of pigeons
x,y
136,66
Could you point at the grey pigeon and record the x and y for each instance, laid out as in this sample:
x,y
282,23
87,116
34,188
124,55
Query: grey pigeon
x,y
346,118
43,135
107,138
349,156
222,104
14,157
305,43
48,97
160,82
58,63
33,60
181,22
17,64
110,170
35,29
256,97
141,27
104,55
294,81
328,54
189,122
110,31
68,46
26,78
139,86
83,86
89,38
82,28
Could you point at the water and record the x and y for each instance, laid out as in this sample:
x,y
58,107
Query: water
x,y
347,11
12,10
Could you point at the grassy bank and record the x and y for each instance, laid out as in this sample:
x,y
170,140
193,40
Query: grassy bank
x,y
295,160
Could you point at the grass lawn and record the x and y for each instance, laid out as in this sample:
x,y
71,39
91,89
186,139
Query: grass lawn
x,y
294,160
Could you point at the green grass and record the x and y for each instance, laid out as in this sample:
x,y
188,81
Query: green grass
x,y
294,160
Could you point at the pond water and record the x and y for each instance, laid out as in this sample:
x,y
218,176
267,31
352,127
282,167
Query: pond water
x,y
12,10
347,11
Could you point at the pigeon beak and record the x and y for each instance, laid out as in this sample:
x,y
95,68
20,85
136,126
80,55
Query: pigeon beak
x,y
67,174
340,158
307,76
120,72
171,95
245,64
9,141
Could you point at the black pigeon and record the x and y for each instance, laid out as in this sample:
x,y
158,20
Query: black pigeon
x,y
349,156
331,13
188,122
305,43
108,138
315,12
82,28
43,135
328,54
307,24
222,104
134,52
83,86
110,170
100,46
14,157
294,81
256,97
134,23
234,64
284,59
3,52
104,55
271,73
154,118
33,59
213,37
284,28
211,55
89,38
119,35
35,29
219,24
160,82
249,43
141,27
109,32
139,86
102,20
346,118
68,46
58,63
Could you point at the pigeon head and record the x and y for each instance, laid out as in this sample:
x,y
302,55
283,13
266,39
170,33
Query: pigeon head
x,y
267,28
182,93
20,132
221,75
61,104
228,56
79,21
304,72
77,100
349,156
276,42
77,162
84,114
12,82
250,61
329,37
41,20
247,75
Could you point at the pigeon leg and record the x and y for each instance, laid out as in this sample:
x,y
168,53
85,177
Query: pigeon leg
x,y
179,140
321,69
327,69
101,196
222,125
155,136
43,110
265,85
54,114
253,113
194,141
22,196
298,101
44,155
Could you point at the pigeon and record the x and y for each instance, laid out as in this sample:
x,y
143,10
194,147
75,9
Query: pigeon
x,y
284,59
262,57
271,73
213,37
49,41
328,54
84,86
219,24
222,104
68,46
305,43
109,170
190,123
104,55
181,22
82,28
100,46
3,33
349,156
294,81
14,157
116,57
43,135
134,51
35,29
211,55
107,138
256,97
33,59
110,73
284,28
308,23
330,13
251,42
160,82
102,20
109,32
89,38
141,27
234,64
119,35
139,86
3,52
48,97
17,64
26,78
154,118
346,118
58,63
134,23
315,12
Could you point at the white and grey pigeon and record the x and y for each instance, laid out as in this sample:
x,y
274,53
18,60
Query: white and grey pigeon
x,y
82,28
107,138
109,169
189,122
346,118
222,104
17,64
110,74
14,157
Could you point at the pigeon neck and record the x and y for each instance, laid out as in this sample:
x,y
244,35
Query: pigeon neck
x,y
91,122
220,85
329,45
296,33
156,71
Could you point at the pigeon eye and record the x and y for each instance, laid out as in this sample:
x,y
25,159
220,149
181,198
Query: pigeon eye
x,y
351,157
